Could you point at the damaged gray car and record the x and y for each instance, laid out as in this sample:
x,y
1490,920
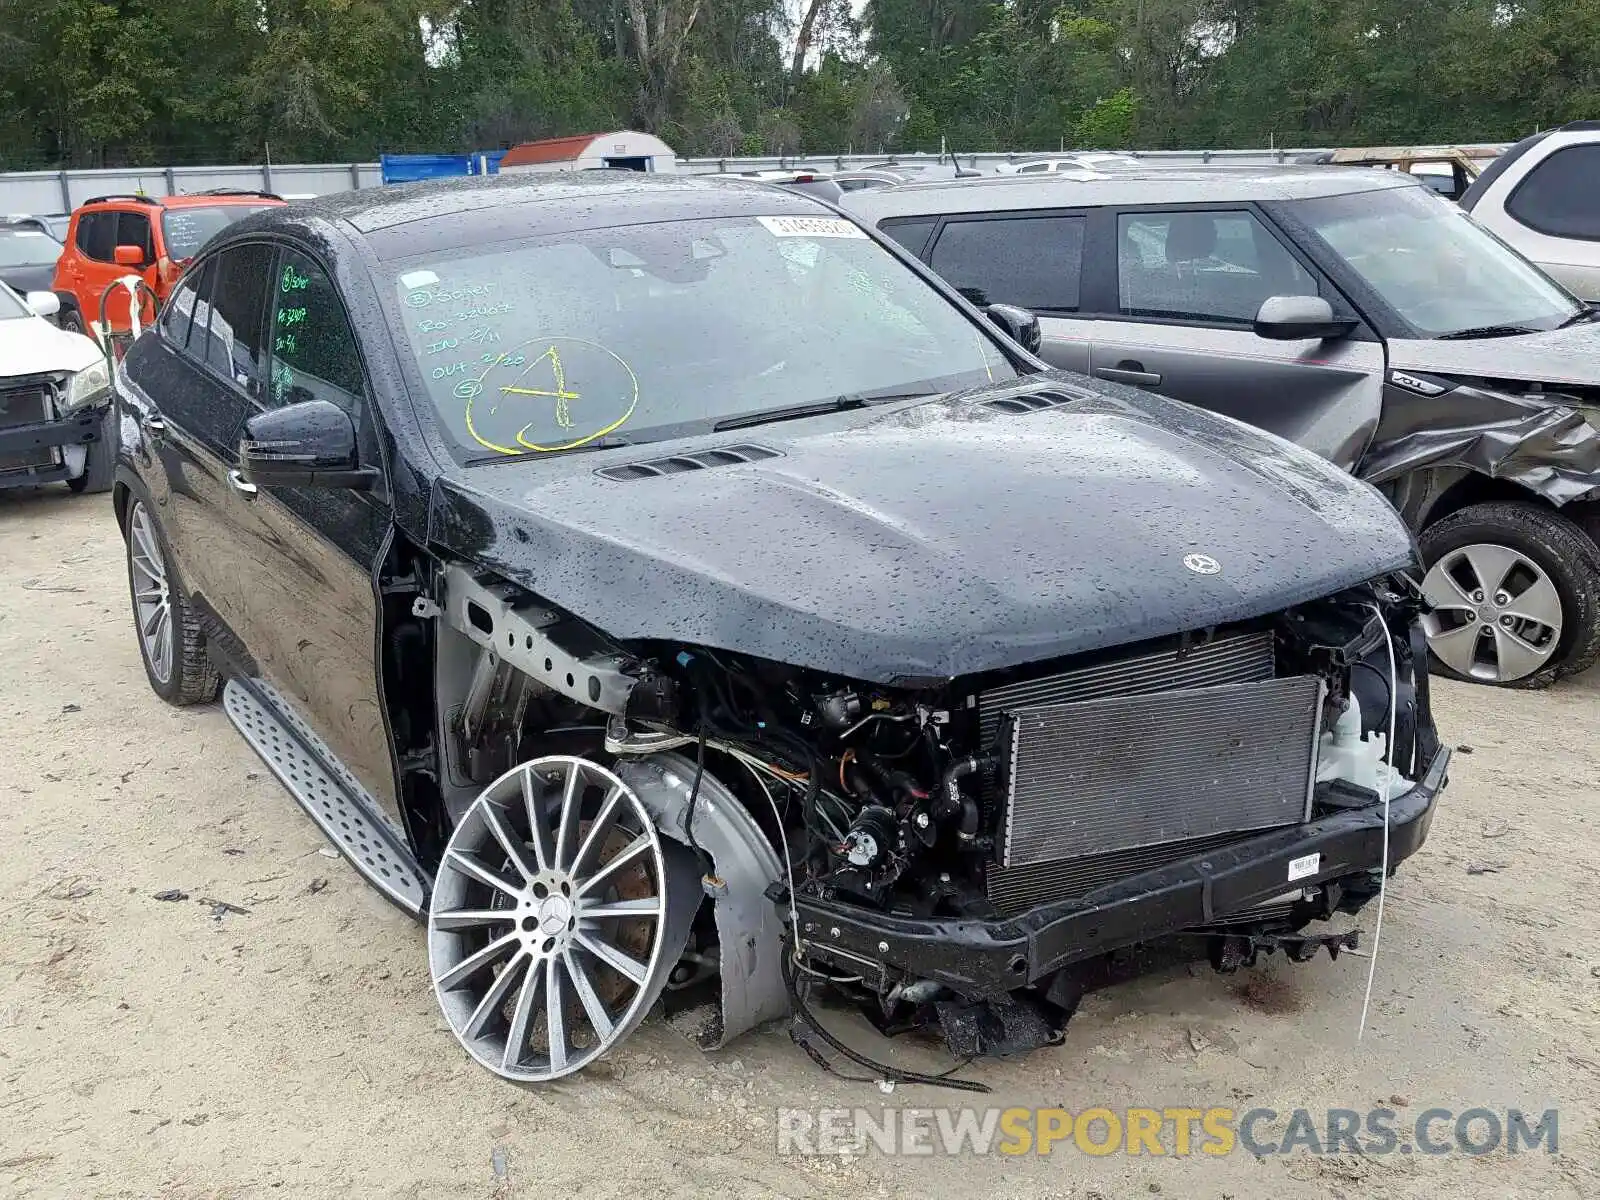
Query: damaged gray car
x,y
669,594
1351,311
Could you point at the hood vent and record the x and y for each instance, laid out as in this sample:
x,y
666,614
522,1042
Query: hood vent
x,y
677,464
1020,403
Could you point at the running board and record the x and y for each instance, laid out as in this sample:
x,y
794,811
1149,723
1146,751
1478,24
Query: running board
x,y
330,795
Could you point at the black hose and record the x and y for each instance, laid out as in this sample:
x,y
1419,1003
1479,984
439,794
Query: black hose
x,y
694,797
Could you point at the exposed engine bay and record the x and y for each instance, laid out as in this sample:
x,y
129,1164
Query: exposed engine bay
x,y
937,851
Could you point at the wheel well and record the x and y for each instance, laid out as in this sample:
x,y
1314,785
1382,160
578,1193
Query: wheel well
x,y
119,505
1480,489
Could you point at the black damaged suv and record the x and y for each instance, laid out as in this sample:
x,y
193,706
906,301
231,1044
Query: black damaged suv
x,y
668,592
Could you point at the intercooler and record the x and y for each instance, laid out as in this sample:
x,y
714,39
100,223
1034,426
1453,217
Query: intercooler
x,y
1126,765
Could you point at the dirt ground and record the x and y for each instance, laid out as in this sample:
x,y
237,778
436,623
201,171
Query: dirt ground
x,y
154,1049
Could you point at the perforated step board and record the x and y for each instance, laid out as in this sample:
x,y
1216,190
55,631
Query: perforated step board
x,y
330,797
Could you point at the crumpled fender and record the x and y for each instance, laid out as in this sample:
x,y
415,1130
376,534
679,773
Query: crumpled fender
x,y
1549,448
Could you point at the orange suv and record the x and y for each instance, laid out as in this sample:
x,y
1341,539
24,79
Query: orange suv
x,y
148,236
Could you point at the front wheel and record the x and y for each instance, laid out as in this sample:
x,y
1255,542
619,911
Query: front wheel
x,y
170,641
1516,595
99,466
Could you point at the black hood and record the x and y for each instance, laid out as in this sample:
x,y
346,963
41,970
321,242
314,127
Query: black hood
x,y
936,541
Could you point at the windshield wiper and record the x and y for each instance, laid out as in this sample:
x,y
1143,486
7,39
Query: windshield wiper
x,y
1587,313
597,444
845,403
1485,331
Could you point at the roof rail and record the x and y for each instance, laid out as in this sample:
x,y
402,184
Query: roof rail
x,y
236,192
1586,126
134,196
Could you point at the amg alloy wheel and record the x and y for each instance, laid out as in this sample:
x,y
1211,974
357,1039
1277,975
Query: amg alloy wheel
x,y
170,641
557,915
152,596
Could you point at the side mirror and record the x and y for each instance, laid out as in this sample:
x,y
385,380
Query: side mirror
x,y
129,256
43,304
310,444
1020,325
1296,318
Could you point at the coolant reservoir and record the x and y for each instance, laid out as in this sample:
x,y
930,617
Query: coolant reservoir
x,y
1345,754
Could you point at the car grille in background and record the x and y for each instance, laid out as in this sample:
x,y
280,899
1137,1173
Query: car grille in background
x,y
26,404
1123,766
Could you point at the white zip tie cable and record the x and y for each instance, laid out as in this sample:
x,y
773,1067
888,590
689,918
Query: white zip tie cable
x,y
1388,780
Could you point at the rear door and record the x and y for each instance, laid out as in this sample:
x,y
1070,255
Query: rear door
x,y
89,266
1033,260
1189,282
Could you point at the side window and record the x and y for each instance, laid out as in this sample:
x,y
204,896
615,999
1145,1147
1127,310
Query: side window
x,y
97,235
913,235
240,283
314,353
1034,169
1558,196
133,229
181,310
1034,262
1208,266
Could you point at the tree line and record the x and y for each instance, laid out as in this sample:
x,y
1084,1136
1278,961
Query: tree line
x,y
124,82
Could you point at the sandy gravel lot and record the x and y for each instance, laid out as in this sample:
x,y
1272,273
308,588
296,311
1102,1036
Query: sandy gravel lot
x,y
152,1049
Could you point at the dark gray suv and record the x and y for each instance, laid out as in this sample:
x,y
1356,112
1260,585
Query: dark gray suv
x,y
1351,311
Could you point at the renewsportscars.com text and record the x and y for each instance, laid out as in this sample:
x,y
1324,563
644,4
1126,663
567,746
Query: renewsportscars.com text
x,y
1169,1132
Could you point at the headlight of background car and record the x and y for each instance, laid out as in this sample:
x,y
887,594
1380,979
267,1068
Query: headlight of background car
x,y
89,385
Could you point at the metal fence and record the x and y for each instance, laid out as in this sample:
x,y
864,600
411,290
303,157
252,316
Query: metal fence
x,y
61,191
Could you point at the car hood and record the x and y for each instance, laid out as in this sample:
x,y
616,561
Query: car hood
x,y
32,346
940,540
1570,355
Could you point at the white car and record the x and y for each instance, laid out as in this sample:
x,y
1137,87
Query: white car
x,y
1069,164
56,421
1542,197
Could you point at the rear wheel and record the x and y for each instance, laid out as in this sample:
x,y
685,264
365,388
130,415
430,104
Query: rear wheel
x,y
1516,595
71,320
170,641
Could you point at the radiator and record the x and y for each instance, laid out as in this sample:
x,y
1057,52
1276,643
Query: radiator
x,y
1130,764
27,404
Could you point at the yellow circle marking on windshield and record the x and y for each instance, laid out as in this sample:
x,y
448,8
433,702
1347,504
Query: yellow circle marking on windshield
x,y
563,394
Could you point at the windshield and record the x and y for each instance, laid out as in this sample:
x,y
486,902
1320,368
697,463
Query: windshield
x,y
27,248
185,230
1434,265
653,331
11,305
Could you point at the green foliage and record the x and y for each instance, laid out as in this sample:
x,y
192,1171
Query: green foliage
x,y
108,82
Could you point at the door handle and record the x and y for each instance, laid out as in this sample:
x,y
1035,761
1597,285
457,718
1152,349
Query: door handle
x,y
241,485
151,423
1129,372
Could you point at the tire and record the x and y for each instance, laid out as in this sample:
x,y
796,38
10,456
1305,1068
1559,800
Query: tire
x,y
71,320
99,468
183,674
1516,590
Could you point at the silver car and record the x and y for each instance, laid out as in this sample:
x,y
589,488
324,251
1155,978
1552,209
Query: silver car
x,y
1352,311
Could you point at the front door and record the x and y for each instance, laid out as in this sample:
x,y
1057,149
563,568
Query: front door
x,y
309,556
1189,284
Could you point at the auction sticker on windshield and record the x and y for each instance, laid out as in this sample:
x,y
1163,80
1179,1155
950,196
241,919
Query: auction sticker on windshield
x,y
835,227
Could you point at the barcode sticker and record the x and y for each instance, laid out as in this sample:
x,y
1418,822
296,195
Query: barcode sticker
x,y
822,227
1307,864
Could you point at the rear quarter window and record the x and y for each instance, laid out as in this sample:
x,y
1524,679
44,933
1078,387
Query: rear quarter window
x,y
1558,197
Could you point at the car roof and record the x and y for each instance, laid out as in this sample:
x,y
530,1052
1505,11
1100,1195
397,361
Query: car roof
x,y
1149,185
185,200
412,218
